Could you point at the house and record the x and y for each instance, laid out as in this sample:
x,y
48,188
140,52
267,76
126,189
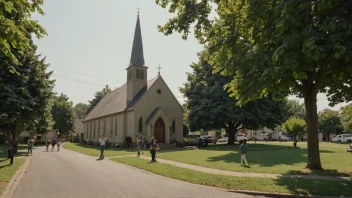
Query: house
x,y
140,106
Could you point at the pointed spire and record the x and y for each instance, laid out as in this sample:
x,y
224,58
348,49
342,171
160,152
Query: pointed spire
x,y
137,57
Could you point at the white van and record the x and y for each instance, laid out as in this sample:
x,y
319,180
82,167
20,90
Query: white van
x,y
240,137
263,136
343,138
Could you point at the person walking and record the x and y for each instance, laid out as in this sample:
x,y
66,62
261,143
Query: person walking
x,y
30,145
138,145
53,143
58,144
243,150
102,142
153,147
200,142
47,144
10,149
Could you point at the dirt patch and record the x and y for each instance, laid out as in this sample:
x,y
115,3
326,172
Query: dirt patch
x,y
3,184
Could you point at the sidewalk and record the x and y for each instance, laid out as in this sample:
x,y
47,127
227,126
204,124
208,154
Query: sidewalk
x,y
246,174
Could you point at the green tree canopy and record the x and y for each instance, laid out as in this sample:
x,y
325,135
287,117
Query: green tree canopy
x,y
346,118
210,106
329,121
296,109
62,114
98,96
295,127
185,130
25,93
80,110
279,47
17,26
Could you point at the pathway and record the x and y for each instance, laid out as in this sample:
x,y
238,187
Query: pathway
x,y
71,174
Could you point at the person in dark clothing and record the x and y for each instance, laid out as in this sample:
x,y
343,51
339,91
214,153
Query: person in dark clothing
x,y
205,142
243,151
10,150
138,145
153,147
200,143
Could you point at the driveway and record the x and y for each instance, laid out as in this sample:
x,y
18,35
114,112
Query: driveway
x,y
74,175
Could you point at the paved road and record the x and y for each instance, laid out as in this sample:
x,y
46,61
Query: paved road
x,y
74,175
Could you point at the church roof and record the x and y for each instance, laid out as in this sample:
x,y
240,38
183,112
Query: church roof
x,y
137,57
116,101
152,115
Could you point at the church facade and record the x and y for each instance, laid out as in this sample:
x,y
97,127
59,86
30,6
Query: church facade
x,y
140,106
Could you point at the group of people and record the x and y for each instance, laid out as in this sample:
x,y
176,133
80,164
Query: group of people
x,y
54,141
153,147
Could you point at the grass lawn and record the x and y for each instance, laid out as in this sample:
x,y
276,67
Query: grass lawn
x,y
7,171
271,157
283,185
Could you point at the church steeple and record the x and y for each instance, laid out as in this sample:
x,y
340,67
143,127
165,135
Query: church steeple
x,y
137,71
137,57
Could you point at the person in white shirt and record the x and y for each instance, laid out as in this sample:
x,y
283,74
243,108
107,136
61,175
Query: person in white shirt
x,y
102,141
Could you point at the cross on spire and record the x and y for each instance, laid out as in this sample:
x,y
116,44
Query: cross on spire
x,y
138,9
159,70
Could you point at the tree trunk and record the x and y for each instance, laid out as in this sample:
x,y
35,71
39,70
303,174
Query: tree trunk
x,y
294,142
310,102
232,133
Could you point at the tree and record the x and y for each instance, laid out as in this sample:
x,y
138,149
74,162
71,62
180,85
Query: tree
x,y
25,92
17,26
98,96
329,122
185,130
80,110
346,118
210,106
62,114
279,47
296,109
295,127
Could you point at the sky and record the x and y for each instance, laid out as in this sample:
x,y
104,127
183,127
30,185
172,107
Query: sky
x,y
95,38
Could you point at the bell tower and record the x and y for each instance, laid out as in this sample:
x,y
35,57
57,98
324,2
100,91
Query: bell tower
x,y
136,71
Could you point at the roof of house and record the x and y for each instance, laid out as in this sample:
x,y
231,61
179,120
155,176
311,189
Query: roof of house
x,y
116,101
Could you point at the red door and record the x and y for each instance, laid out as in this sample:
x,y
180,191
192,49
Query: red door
x,y
159,131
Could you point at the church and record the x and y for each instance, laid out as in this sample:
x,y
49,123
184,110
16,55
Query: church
x,y
140,106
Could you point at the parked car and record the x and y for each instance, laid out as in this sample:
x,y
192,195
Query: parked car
x,y
223,139
284,138
343,138
209,138
262,136
240,137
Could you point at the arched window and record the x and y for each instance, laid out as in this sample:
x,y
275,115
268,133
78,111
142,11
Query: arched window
x,y
138,74
173,130
142,74
140,125
130,74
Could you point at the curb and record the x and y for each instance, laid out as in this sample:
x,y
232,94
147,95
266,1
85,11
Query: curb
x,y
15,180
267,194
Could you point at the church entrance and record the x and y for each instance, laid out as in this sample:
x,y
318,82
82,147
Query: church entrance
x,y
159,131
